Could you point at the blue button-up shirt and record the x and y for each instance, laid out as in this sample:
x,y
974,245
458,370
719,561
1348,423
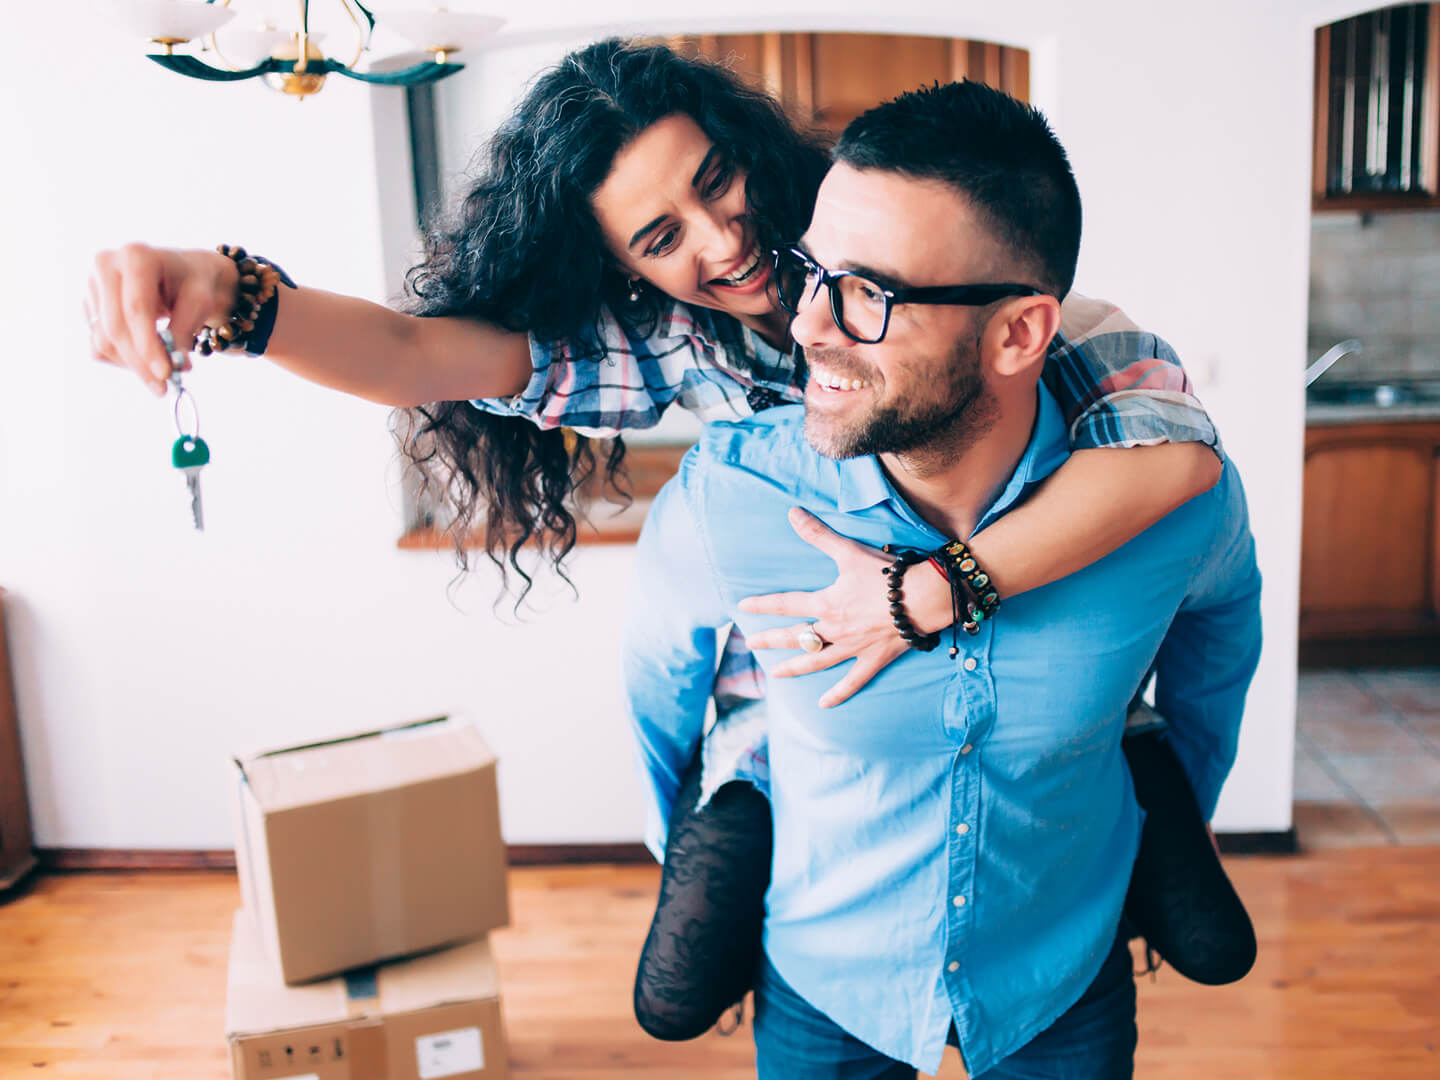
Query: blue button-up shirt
x,y
954,843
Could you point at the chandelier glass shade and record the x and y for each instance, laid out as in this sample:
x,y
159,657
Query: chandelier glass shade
x,y
292,61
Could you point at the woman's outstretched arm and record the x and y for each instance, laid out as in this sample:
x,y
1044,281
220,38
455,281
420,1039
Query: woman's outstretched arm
x,y
342,342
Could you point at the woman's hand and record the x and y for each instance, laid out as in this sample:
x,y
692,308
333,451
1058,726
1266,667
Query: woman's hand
x,y
133,286
852,616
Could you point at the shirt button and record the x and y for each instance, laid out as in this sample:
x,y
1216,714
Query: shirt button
x,y
969,663
959,901
954,965
962,828
966,748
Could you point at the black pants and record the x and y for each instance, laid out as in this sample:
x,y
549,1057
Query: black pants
x,y
703,949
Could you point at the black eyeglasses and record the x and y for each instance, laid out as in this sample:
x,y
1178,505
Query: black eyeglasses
x,y
861,305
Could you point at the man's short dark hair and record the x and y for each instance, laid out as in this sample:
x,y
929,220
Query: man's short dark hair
x,y
998,152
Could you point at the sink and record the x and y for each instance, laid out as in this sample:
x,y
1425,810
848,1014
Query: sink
x,y
1375,395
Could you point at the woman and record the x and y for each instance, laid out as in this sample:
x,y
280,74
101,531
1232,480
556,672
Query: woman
x,y
572,290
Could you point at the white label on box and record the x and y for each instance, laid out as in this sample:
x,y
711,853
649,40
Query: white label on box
x,y
449,1052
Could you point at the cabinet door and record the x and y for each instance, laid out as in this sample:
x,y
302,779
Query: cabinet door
x,y
854,72
1377,110
829,79
1368,526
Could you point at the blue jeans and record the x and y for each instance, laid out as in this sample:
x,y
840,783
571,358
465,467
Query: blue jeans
x,y
1094,1040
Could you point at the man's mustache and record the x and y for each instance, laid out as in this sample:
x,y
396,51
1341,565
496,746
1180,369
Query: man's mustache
x,y
838,361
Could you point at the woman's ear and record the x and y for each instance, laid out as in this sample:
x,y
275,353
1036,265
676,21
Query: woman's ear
x,y
1023,329
632,285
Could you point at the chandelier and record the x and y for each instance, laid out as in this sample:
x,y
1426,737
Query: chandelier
x,y
290,60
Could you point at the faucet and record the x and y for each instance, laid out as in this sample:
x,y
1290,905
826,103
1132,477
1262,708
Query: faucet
x,y
1332,354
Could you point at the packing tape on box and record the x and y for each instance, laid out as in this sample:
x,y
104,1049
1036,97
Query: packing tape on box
x,y
369,1054
362,991
387,887
366,1036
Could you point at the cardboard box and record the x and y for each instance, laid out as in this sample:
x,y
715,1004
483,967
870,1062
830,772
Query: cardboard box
x,y
434,1017
370,847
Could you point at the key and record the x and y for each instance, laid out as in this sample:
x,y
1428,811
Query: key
x,y
190,455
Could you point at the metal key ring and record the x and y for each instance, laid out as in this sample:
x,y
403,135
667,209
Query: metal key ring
x,y
168,341
180,396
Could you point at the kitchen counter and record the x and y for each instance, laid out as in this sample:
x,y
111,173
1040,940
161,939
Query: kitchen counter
x,y
1398,400
1324,415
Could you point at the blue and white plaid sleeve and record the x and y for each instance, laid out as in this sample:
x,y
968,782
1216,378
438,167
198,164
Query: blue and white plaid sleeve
x,y
1119,385
612,380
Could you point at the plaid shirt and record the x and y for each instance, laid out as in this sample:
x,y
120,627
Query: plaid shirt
x,y
1117,385
710,364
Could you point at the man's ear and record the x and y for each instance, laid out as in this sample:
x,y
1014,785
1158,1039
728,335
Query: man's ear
x,y
1023,329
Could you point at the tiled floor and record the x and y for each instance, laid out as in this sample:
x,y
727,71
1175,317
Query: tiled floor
x,y
1367,757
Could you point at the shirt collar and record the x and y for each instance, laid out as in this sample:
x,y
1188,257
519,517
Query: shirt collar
x,y
863,483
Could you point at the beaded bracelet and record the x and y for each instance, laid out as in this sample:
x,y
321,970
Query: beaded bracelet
x,y
895,572
958,564
252,317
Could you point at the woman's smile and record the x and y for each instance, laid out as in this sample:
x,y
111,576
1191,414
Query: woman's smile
x,y
751,276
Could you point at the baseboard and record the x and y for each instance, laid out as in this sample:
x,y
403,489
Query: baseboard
x,y
1389,652
15,872
57,859
1258,843
577,854
52,859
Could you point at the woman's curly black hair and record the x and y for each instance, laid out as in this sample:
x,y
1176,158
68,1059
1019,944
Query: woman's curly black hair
x,y
525,252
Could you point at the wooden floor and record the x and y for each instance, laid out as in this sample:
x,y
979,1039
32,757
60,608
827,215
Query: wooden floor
x,y
120,976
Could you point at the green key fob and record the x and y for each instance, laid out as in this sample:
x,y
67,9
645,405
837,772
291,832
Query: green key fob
x,y
189,452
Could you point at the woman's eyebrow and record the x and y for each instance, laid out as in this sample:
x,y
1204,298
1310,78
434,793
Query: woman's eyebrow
x,y
648,227
641,232
704,165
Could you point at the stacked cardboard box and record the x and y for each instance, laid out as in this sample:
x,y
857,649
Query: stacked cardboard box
x,y
371,870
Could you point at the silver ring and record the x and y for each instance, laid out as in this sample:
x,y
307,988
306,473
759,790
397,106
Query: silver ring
x,y
810,641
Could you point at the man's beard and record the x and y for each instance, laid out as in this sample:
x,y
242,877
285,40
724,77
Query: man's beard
x,y
942,426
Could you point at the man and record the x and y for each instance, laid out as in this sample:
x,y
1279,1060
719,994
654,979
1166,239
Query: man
x,y
952,846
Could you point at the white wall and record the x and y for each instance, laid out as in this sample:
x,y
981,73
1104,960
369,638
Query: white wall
x,y
145,653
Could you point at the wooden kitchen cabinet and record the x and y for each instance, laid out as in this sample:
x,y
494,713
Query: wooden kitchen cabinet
x,y
1377,111
826,80
1370,549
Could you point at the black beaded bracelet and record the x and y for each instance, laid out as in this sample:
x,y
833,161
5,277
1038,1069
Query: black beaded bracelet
x,y
895,572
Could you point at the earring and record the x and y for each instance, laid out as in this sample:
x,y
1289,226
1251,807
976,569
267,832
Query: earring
x,y
634,290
